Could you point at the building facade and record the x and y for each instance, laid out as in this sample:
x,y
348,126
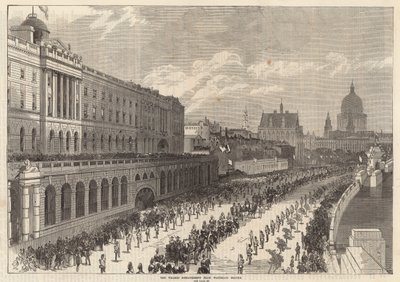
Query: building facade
x,y
283,126
261,166
57,105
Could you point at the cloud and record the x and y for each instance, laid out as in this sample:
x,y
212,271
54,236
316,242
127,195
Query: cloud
x,y
263,91
108,19
264,70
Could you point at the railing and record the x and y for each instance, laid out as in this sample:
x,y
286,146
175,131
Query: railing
x,y
23,44
82,164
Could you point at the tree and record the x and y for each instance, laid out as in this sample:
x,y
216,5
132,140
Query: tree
x,y
275,261
307,208
291,222
287,234
280,244
302,212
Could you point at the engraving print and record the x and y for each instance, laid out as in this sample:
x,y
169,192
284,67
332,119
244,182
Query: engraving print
x,y
200,140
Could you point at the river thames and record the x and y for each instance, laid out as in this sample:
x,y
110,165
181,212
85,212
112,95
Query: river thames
x,y
370,208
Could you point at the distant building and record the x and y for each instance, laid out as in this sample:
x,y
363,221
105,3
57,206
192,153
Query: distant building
x,y
242,133
283,126
197,135
257,166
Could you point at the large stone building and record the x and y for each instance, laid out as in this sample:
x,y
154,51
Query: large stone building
x,y
283,126
57,105
352,117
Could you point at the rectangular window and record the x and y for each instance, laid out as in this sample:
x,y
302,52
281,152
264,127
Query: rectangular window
x,y
130,119
34,74
22,73
85,110
9,68
117,116
85,91
110,97
94,112
123,118
130,104
22,89
102,113
94,93
103,95
110,115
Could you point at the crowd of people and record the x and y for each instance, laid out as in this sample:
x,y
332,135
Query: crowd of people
x,y
257,195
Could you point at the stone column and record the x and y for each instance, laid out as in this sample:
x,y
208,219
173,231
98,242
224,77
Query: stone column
x,y
30,180
73,88
55,92
78,100
61,78
46,92
86,200
99,197
67,97
9,225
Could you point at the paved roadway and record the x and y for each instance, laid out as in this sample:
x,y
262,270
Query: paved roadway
x,y
225,256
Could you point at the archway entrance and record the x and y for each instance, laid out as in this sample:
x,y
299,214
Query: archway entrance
x,y
162,146
144,199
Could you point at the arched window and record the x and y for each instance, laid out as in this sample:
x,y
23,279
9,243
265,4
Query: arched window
x,y
22,139
34,140
116,142
115,191
109,142
76,140
61,142
102,142
130,144
94,144
50,206
80,200
162,183
92,197
123,143
169,182
68,141
124,190
144,176
51,141
66,202
137,177
181,180
151,175
84,141
104,194
175,187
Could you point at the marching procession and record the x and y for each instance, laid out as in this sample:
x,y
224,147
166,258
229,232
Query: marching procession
x,y
247,199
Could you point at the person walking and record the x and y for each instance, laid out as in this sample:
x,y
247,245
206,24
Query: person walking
x,y
249,253
140,269
157,229
117,250
267,231
128,242
147,232
255,243
262,239
138,237
240,264
297,251
292,264
102,264
78,260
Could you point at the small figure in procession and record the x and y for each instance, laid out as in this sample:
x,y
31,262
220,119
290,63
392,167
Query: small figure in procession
x,y
147,232
278,223
267,232
255,243
157,230
102,264
262,239
251,237
292,264
297,251
130,268
240,264
128,242
249,253
138,237
272,228
117,250
78,260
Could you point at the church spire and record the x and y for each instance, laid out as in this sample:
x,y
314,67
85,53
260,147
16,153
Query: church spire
x,y
281,107
352,87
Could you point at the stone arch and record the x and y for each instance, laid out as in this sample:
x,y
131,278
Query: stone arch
x,y
162,183
169,182
144,176
80,200
162,146
151,174
144,198
66,202
137,177
50,206
92,196
124,190
104,194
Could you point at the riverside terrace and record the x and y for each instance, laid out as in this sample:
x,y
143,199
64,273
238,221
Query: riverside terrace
x,y
48,199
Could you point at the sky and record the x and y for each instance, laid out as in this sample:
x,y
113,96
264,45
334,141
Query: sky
x,y
220,60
